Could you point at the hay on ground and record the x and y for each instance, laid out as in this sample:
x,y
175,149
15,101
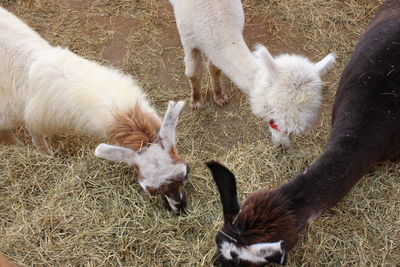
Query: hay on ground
x,y
74,209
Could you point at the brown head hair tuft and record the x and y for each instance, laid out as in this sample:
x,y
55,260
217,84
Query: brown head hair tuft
x,y
266,216
134,129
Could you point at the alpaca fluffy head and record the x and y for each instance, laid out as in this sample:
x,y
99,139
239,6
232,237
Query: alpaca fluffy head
x,y
287,92
261,231
153,155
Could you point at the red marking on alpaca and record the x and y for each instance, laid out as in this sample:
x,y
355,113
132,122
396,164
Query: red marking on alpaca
x,y
273,125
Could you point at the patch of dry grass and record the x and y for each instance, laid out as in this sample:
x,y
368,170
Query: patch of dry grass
x,y
73,209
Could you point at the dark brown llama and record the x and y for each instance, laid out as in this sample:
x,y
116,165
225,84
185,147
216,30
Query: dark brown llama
x,y
365,130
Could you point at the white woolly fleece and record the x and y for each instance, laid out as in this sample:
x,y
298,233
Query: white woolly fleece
x,y
50,90
216,29
293,99
255,253
288,91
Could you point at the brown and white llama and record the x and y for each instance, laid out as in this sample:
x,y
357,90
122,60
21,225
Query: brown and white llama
x,y
365,130
51,90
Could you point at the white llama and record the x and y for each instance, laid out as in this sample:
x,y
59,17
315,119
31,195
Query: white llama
x,y
284,91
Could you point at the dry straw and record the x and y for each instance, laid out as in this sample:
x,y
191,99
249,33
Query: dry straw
x,y
76,210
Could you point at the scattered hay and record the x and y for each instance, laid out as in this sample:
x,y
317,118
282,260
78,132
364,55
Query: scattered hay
x,y
74,209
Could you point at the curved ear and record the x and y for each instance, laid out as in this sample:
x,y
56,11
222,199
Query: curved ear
x,y
115,153
322,66
168,127
265,59
226,184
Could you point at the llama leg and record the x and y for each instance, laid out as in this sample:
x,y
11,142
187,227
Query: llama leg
x,y
220,98
7,137
194,72
40,143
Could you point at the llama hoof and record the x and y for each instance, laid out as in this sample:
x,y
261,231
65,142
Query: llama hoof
x,y
196,105
221,100
45,152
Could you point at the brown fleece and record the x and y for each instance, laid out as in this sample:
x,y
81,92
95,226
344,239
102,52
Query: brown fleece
x,y
265,216
174,155
134,129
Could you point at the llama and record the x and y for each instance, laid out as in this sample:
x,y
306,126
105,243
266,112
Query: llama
x,y
284,91
365,130
51,90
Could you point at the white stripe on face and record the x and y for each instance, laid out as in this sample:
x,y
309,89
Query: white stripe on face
x,y
255,253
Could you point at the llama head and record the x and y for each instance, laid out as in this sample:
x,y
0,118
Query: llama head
x,y
161,171
287,92
261,231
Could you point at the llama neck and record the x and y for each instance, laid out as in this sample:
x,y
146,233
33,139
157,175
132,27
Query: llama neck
x,y
136,128
237,63
325,182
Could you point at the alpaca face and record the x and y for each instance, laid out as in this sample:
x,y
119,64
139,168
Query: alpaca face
x,y
258,254
260,232
288,92
161,171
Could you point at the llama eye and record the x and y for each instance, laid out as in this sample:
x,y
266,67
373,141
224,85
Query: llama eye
x,y
234,255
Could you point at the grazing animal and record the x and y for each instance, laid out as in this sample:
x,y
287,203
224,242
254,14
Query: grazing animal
x,y
284,91
365,130
51,90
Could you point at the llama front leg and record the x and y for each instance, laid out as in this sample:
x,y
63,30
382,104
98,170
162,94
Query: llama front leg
x,y
7,137
220,98
194,72
40,143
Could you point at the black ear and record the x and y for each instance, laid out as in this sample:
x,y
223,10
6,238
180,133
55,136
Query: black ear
x,y
226,184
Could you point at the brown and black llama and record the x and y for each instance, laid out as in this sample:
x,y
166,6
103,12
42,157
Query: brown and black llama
x,y
365,130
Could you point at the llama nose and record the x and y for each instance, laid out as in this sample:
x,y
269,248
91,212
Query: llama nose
x,y
182,203
177,206
181,207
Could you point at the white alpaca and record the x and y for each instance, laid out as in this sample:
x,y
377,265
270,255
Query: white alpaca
x,y
51,90
285,91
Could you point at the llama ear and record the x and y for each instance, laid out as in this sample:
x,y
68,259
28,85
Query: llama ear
x,y
115,153
168,127
265,59
272,252
226,184
322,66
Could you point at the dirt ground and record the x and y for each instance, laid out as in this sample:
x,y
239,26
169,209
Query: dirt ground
x,y
73,209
